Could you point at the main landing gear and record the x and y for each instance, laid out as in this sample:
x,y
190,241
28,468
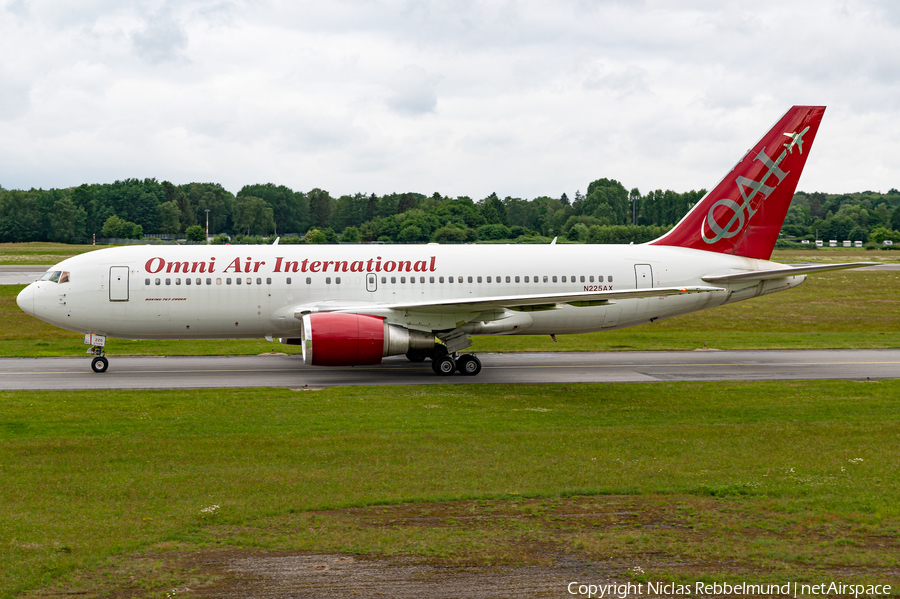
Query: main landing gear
x,y
466,364
99,363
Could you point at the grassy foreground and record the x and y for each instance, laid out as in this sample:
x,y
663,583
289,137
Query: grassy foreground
x,y
745,481
846,309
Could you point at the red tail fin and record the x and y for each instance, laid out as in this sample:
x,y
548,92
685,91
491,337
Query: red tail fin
x,y
744,213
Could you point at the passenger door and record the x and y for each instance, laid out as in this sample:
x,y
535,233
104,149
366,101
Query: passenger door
x,y
118,283
643,276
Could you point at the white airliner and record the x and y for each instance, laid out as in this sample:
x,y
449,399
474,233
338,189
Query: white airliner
x,y
355,304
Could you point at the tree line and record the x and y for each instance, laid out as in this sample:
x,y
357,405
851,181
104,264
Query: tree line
x,y
606,213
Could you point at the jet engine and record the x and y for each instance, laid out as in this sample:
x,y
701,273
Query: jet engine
x,y
341,339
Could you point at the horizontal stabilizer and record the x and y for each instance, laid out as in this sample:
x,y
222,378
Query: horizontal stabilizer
x,y
791,271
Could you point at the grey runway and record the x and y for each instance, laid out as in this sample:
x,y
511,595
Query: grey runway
x,y
289,371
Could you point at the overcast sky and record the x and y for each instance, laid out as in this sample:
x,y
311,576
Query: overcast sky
x,y
462,98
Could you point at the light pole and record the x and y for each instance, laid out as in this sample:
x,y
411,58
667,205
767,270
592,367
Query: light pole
x,y
207,225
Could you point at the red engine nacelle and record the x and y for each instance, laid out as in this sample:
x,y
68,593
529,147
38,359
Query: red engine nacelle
x,y
338,339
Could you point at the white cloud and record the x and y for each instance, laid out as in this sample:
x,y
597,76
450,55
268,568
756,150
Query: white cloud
x,y
413,91
463,97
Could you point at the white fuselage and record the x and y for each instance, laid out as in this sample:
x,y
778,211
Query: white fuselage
x,y
142,292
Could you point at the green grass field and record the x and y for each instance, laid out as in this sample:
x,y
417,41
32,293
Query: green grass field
x,y
734,481
845,309
104,492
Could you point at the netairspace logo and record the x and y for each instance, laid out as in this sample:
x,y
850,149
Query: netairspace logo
x,y
631,589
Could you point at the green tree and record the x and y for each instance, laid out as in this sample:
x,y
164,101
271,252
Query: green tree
x,y
350,235
252,215
169,217
493,232
315,236
67,221
19,216
895,219
494,211
216,199
113,228
195,233
320,207
290,209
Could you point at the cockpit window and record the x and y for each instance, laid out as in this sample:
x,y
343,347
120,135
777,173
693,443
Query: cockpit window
x,y
52,276
64,277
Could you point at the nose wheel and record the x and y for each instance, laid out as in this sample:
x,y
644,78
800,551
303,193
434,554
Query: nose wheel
x,y
99,364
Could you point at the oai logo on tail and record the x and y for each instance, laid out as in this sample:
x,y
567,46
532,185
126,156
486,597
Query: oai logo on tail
x,y
749,188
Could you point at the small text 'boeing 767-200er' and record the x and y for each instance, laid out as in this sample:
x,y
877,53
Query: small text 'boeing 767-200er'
x,y
355,304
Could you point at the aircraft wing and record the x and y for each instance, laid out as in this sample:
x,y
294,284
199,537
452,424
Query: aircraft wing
x,y
790,271
525,302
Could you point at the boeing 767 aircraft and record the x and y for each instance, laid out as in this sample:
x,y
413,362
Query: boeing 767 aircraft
x,y
356,304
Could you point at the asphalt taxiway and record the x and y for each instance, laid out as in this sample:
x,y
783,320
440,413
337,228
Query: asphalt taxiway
x,y
269,370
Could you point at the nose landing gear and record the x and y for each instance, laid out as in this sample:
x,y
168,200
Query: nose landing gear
x,y
99,363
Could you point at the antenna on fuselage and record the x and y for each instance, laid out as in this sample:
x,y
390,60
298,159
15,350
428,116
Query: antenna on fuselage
x,y
554,241
276,241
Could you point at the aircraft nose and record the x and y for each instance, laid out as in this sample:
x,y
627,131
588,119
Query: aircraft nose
x,y
25,299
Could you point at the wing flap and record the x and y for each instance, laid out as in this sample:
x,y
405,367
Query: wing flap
x,y
536,301
790,271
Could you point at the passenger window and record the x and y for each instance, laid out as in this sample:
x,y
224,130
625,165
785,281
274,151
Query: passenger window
x,y
146,281
470,279
198,281
592,278
337,280
479,279
488,279
178,281
564,279
168,281
249,280
421,279
582,278
268,280
228,281
441,279
209,281
545,278
187,281
449,279
218,281
384,279
328,280
431,279
393,280
609,279
526,279
554,278
402,279
517,279
237,280
507,278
